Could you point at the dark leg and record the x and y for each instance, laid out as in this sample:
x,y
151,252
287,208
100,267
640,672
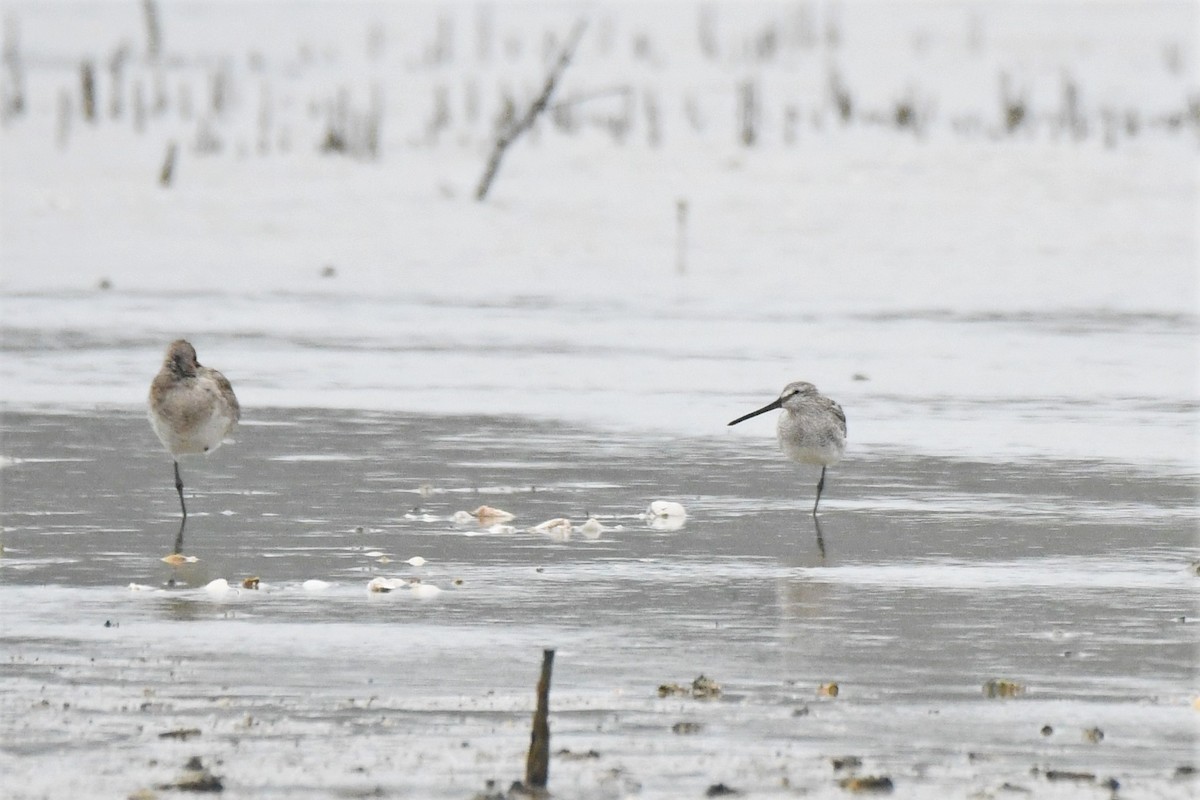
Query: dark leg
x,y
179,536
820,538
179,488
820,486
183,506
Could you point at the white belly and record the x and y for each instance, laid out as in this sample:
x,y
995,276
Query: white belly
x,y
201,435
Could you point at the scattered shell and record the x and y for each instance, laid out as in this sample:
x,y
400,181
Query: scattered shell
x,y
458,581
687,727
665,515
373,553
425,489
845,762
486,514
672,689
425,591
666,508
251,582
880,784
592,528
827,690
559,526
416,561
315,585
383,560
384,585
218,586
175,559
1001,687
1093,735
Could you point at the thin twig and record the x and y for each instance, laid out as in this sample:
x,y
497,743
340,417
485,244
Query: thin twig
x,y
526,121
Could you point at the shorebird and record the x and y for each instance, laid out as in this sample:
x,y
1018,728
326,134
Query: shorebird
x,y
192,409
811,429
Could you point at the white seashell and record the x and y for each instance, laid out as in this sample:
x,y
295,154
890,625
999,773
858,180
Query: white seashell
x,y
558,528
666,508
384,585
489,514
314,585
425,591
666,523
373,553
218,587
592,528
416,561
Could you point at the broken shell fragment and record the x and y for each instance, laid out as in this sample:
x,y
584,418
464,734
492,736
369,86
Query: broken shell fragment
x,y
592,528
384,585
416,561
666,508
487,514
558,527
1001,687
175,559
665,515
878,784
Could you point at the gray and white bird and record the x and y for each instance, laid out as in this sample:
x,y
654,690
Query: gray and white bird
x,y
192,409
811,429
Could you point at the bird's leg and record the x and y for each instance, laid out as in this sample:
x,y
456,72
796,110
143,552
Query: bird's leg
x,y
179,488
179,537
820,538
183,506
820,486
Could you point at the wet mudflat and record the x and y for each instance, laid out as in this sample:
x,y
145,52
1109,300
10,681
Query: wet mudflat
x,y
1070,578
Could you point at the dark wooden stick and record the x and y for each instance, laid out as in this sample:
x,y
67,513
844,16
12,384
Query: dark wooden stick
x,y
526,121
537,765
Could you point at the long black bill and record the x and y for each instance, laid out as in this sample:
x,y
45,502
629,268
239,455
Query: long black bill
x,y
774,404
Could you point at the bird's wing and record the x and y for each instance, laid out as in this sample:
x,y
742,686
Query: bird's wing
x,y
837,412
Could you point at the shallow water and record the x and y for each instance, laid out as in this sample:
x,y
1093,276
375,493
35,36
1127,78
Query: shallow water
x,y
938,575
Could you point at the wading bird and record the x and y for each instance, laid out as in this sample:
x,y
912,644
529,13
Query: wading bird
x,y
192,409
812,428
